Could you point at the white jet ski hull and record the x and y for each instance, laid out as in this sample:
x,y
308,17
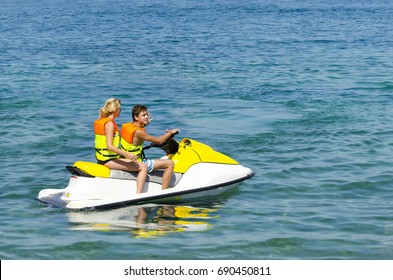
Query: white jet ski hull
x,y
201,180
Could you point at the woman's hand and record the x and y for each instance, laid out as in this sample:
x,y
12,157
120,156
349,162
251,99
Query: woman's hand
x,y
132,156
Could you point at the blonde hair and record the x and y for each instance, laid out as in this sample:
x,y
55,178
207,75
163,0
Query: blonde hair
x,y
111,106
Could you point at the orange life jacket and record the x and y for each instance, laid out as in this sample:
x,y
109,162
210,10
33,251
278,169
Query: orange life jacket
x,y
102,152
126,142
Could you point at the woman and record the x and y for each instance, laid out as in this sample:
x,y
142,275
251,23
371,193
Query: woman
x,y
107,141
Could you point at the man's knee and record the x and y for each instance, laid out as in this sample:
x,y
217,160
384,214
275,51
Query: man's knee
x,y
142,166
170,164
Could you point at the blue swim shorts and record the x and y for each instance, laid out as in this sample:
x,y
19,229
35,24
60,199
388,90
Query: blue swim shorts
x,y
150,164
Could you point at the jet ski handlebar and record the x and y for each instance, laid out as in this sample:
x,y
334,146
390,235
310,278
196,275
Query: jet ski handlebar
x,y
170,146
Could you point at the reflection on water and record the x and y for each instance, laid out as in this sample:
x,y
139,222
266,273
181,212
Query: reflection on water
x,y
147,221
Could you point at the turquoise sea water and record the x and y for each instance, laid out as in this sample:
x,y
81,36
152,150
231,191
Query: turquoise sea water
x,y
300,91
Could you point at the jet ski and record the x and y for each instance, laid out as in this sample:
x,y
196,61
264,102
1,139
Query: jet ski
x,y
199,171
